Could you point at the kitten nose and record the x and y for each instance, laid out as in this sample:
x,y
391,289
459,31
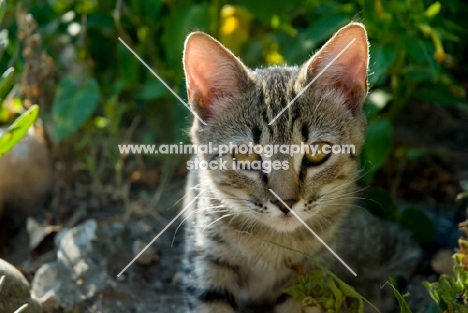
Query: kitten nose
x,y
282,207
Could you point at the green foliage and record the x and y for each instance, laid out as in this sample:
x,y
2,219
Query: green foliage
x,y
18,129
2,9
408,63
321,290
404,308
73,106
377,147
449,293
415,54
6,82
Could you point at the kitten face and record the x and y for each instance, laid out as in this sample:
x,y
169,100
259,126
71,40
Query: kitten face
x,y
238,105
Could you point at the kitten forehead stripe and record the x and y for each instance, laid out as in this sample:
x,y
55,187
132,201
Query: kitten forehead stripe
x,y
313,233
256,134
161,80
313,80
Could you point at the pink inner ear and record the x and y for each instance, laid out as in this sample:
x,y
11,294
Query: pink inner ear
x,y
211,70
198,87
352,76
349,71
357,69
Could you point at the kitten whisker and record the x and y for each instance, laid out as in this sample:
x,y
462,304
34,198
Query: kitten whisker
x,y
212,223
186,218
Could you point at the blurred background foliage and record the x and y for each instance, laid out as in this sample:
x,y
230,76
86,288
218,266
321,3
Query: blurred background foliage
x,y
94,94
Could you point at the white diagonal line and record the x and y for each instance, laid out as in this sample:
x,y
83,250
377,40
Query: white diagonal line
x,y
162,81
22,308
313,233
313,80
162,231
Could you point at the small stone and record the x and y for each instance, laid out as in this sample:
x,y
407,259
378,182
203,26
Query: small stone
x,y
49,302
80,271
122,278
148,256
178,278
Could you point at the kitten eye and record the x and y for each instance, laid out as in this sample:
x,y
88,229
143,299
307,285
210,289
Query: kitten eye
x,y
316,154
247,157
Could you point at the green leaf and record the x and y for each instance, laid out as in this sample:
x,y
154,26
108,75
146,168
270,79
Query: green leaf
x,y
337,293
100,21
377,147
420,50
347,290
129,66
324,27
2,9
418,223
73,106
6,82
185,17
61,6
148,9
433,9
416,74
265,11
448,288
441,95
404,308
370,109
18,129
152,89
382,56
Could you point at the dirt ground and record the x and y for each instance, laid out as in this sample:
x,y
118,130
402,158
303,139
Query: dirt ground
x,y
151,288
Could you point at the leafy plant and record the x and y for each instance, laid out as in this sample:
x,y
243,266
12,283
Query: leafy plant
x,y
449,293
408,63
322,289
20,126
404,308
73,106
18,129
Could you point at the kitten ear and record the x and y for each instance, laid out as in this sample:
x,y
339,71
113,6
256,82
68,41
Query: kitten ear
x,y
212,72
348,73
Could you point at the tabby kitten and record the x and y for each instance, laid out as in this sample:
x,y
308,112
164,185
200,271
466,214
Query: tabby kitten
x,y
230,265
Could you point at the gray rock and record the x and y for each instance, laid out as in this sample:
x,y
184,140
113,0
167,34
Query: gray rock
x,y
80,272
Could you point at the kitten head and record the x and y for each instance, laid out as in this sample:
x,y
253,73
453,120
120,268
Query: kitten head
x,y
318,103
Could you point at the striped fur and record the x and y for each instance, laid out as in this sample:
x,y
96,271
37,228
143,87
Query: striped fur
x,y
231,263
